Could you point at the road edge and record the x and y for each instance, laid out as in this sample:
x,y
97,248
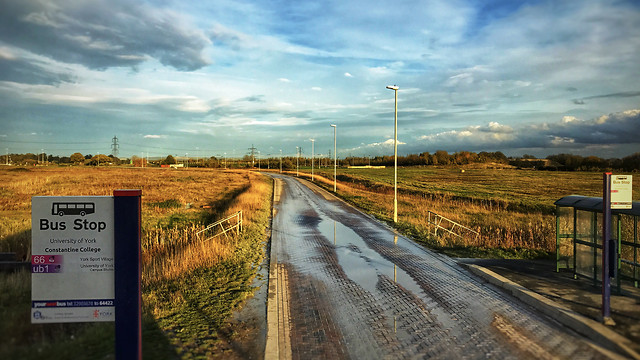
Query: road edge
x,y
271,351
589,328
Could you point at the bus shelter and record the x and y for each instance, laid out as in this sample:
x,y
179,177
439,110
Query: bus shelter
x,y
579,239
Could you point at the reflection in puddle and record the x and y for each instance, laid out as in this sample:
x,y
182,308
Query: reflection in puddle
x,y
363,265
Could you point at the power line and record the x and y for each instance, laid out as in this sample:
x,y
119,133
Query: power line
x,y
114,146
253,153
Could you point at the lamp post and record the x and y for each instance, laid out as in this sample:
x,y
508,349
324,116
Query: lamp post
x,y
312,156
280,161
395,154
297,159
335,156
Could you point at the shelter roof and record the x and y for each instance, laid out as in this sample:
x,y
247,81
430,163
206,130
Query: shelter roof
x,y
594,204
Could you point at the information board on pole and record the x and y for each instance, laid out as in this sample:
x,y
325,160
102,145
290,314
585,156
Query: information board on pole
x,y
72,262
621,192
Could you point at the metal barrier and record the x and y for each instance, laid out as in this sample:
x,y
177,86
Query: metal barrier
x,y
450,226
230,223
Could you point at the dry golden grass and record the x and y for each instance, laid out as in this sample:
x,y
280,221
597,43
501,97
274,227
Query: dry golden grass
x,y
170,252
169,244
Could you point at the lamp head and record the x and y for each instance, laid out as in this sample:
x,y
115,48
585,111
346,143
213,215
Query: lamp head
x,y
392,87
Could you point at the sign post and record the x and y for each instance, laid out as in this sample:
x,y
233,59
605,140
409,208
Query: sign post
x,y
127,209
606,238
616,194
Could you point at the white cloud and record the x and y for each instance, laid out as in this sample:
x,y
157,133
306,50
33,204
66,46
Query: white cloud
x,y
379,70
316,88
348,75
150,136
7,54
561,141
194,105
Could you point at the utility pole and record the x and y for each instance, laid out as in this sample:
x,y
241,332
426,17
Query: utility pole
x,y
297,160
281,161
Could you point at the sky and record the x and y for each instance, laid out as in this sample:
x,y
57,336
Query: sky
x,y
208,78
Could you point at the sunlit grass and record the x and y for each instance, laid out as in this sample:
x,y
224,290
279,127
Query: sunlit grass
x,y
511,209
176,204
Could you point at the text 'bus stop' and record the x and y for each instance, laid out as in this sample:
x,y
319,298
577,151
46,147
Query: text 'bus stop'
x,y
579,239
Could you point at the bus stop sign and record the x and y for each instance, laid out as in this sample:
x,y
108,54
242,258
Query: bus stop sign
x,y
621,192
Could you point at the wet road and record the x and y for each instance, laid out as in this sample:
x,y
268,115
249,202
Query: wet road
x,y
350,288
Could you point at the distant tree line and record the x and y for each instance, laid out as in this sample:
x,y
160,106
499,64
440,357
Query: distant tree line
x,y
440,157
563,162
571,162
75,159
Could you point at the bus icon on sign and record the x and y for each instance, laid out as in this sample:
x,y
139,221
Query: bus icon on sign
x,y
73,208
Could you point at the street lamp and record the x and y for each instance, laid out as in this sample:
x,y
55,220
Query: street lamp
x,y
297,159
395,154
312,156
335,156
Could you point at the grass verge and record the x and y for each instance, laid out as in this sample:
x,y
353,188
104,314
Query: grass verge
x,y
188,290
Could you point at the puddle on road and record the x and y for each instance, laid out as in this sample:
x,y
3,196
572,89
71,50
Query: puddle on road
x,y
363,265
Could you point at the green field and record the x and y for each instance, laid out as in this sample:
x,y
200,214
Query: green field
x,y
511,209
538,189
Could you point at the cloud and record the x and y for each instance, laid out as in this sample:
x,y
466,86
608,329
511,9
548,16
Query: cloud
x,y
558,141
284,80
316,88
377,148
31,71
626,94
103,33
348,75
569,132
155,136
